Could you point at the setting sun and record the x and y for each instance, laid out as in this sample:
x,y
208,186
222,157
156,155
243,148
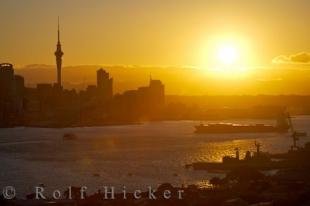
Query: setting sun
x,y
227,54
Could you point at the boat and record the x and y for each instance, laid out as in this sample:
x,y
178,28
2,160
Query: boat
x,y
69,136
301,134
282,126
295,157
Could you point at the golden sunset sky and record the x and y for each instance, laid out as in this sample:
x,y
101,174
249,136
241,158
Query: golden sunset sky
x,y
249,39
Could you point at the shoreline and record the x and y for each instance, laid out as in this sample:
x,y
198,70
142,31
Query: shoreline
x,y
53,125
244,186
71,126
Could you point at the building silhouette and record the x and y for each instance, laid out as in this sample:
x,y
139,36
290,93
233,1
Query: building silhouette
x,y
11,96
104,84
58,54
143,103
157,92
49,105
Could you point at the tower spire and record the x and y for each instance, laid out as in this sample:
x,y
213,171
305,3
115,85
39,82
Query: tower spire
x,y
58,31
58,54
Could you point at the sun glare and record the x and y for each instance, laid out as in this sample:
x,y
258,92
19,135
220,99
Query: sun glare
x,y
227,54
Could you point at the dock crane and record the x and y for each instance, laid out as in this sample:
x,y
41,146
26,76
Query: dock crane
x,y
294,134
257,145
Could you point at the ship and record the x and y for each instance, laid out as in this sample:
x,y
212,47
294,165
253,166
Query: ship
x,y
282,126
258,160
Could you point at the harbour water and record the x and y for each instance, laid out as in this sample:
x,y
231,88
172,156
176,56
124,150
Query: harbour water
x,y
136,156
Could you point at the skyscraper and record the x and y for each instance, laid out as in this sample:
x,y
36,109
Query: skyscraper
x,y
11,95
58,54
157,93
104,84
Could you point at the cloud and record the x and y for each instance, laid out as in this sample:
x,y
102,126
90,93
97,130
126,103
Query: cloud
x,y
299,58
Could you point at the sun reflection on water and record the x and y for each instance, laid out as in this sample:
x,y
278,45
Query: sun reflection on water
x,y
215,151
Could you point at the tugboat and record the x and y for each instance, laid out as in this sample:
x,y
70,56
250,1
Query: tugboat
x,y
69,136
282,126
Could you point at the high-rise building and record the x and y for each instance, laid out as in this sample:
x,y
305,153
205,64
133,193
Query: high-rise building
x,y
157,92
6,81
104,84
11,95
59,54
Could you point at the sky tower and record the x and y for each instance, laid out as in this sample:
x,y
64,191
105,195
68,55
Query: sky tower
x,y
58,54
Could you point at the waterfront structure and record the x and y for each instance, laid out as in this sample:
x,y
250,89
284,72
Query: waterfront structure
x,y
58,54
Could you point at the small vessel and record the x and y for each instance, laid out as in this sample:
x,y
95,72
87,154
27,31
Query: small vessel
x,y
96,175
301,134
282,126
69,136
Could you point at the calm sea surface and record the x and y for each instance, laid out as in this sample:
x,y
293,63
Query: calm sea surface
x,y
136,155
